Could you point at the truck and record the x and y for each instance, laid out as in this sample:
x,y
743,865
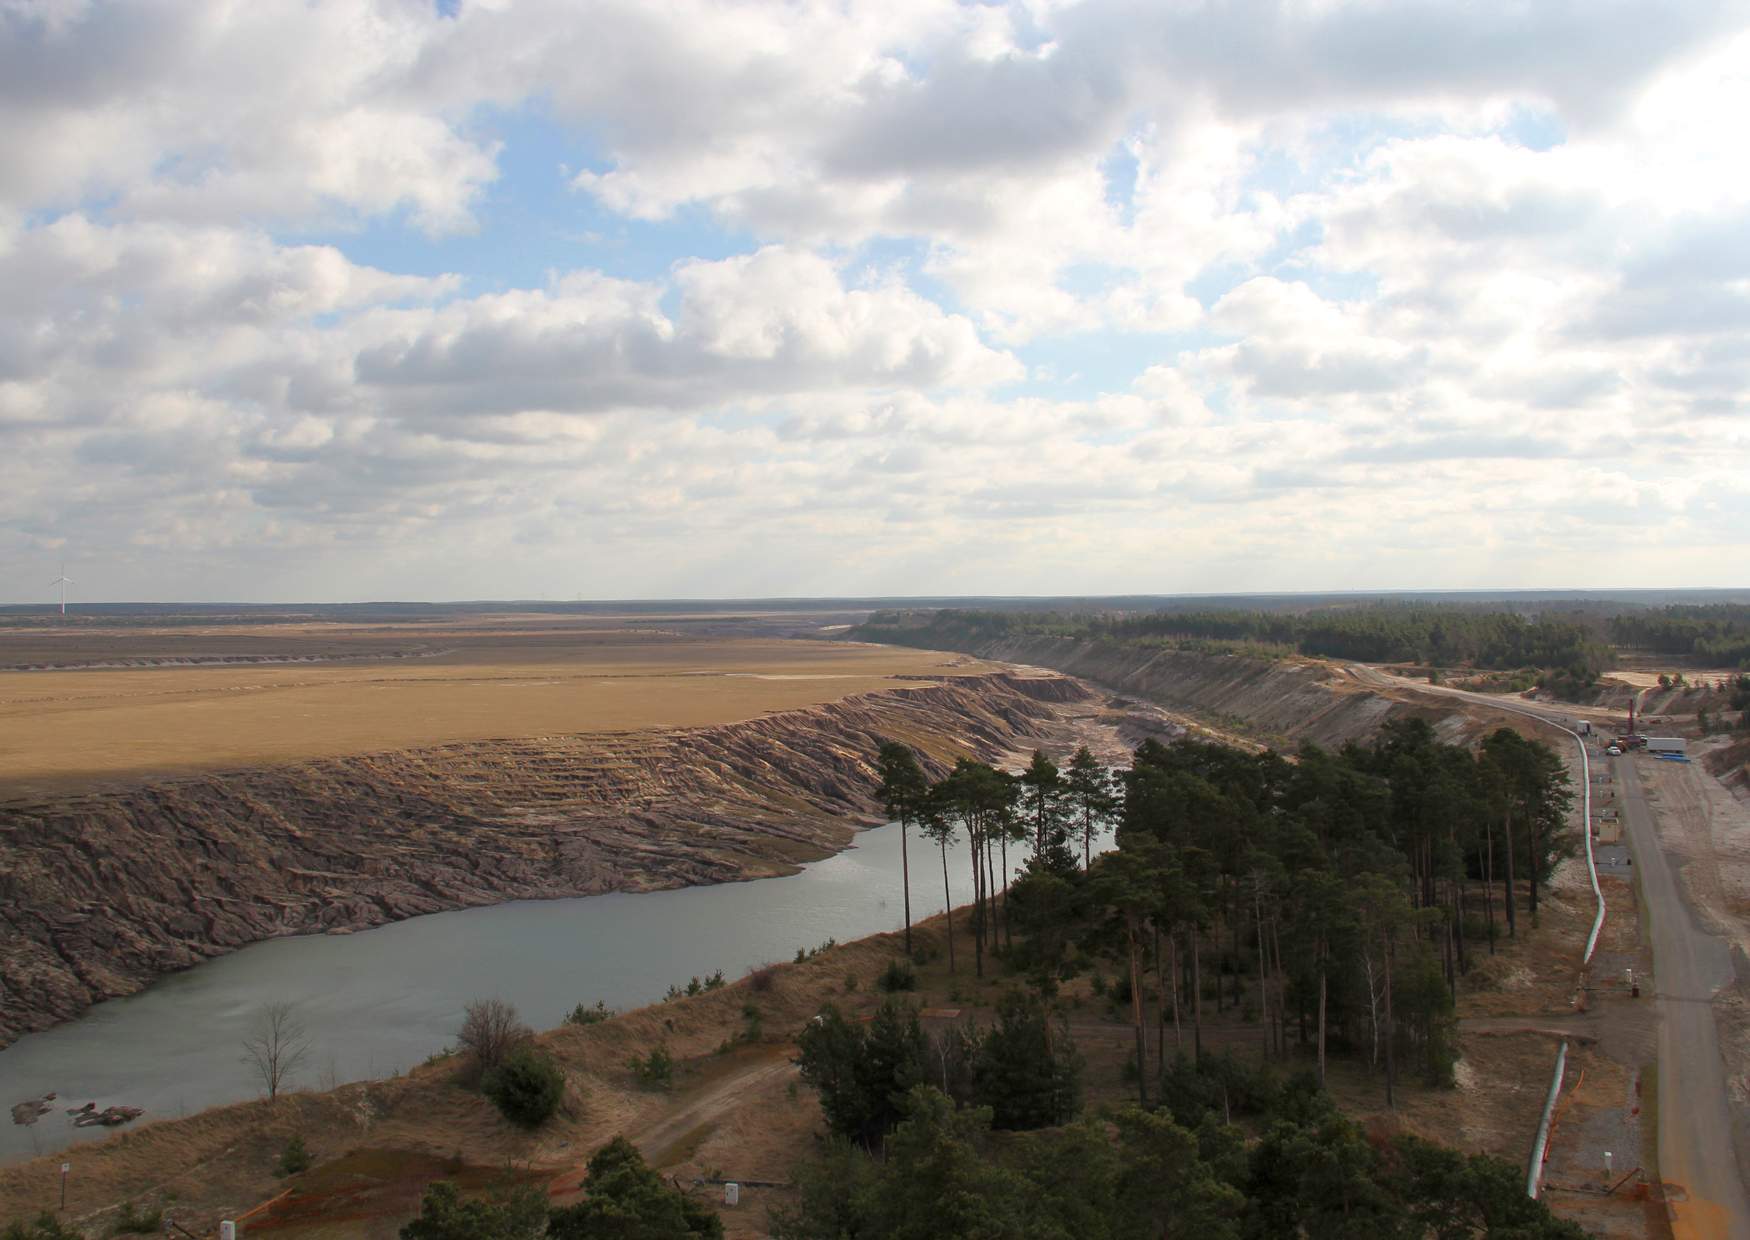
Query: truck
x,y
1667,744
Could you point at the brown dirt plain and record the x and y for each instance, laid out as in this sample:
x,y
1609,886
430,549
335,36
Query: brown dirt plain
x,y
298,691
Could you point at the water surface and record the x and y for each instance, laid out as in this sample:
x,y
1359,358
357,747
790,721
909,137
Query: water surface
x,y
383,1000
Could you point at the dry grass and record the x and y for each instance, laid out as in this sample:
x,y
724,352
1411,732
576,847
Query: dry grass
x,y
62,730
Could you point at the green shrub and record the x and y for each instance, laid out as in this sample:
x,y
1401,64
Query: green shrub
x,y
45,1227
624,1198
295,1158
695,987
143,1222
656,1070
527,1087
897,976
864,1071
510,1213
808,953
595,1015
752,1029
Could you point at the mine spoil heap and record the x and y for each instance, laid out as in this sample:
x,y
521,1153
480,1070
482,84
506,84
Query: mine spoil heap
x,y
101,893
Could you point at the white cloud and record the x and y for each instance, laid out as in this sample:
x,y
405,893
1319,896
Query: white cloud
x,y
1380,280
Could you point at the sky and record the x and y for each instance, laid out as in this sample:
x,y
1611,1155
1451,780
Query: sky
x,y
622,299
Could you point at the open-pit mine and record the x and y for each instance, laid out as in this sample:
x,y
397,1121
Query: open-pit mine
x,y
168,795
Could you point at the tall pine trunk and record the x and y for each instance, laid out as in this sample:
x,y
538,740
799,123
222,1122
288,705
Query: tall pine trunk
x,y
1196,995
1008,929
948,904
1173,960
1531,864
1390,1067
1136,1010
990,885
1512,914
905,877
1281,975
977,901
1263,970
1161,1015
1489,883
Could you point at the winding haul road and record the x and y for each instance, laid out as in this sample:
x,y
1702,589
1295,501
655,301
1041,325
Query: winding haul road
x,y
1697,1160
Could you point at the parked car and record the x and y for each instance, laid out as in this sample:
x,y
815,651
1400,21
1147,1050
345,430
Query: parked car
x,y
1614,751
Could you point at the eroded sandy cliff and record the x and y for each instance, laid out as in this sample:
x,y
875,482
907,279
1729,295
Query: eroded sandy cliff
x,y
99,894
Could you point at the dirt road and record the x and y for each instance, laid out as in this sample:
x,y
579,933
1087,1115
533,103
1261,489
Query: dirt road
x,y
1691,965
1564,715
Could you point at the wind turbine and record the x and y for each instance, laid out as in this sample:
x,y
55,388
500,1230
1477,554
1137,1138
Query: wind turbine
x,y
63,581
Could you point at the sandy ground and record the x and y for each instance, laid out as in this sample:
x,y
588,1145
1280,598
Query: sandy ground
x,y
61,730
1648,678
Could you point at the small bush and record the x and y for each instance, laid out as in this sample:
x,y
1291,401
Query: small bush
x,y
45,1227
295,1157
527,1087
809,953
490,1032
762,979
656,1070
752,1029
850,983
141,1223
897,976
695,987
595,1015
510,1213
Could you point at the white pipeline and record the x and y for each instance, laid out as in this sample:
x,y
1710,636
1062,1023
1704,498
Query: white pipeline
x,y
1540,1147
1540,1144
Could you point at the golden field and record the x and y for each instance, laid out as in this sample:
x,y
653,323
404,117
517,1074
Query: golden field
x,y
394,686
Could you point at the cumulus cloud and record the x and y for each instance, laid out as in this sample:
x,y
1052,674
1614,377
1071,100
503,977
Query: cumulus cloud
x,y
1188,295
753,326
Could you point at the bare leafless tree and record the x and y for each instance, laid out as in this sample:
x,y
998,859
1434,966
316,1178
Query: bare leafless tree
x,y
490,1031
276,1045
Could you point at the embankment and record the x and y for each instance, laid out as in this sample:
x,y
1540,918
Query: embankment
x,y
1281,702
101,893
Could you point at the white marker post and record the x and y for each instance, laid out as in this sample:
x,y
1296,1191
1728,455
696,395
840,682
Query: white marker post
x,y
65,1168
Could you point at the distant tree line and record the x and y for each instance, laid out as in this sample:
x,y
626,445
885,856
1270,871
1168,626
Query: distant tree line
x,y
1376,633
1716,635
